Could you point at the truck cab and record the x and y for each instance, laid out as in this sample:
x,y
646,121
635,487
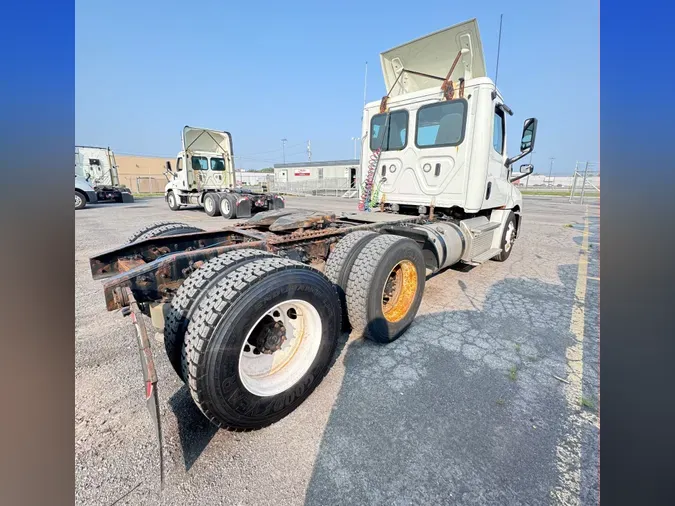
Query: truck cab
x,y
204,163
204,175
438,139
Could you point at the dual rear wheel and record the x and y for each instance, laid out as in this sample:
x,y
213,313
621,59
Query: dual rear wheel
x,y
252,334
381,280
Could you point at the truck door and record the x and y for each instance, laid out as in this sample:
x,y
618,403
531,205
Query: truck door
x,y
495,191
185,178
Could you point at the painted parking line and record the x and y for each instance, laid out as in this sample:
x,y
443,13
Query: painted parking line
x,y
568,451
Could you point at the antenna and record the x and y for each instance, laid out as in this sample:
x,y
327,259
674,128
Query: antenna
x,y
499,46
365,85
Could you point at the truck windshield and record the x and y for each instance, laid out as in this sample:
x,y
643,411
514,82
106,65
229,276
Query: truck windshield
x,y
397,136
441,124
217,164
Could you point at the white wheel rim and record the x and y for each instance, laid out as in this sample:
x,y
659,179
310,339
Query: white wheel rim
x,y
171,200
78,200
510,236
226,205
209,204
267,374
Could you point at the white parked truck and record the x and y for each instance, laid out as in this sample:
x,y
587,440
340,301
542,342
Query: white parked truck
x,y
251,314
98,166
84,193
204,176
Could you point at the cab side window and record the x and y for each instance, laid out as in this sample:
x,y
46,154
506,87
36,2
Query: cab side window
x,y
200,163
396,136
179,164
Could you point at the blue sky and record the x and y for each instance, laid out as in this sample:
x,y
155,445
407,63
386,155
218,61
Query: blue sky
x,y
295,70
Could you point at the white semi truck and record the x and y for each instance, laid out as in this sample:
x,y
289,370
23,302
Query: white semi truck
x,y
98,166
251,314
204,176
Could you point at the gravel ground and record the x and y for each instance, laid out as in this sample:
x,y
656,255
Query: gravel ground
x,y
491,397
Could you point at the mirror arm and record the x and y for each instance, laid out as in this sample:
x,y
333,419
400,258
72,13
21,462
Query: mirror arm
x,y
511,161
517,176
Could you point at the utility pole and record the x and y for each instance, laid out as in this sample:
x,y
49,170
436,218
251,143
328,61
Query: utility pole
x,y
309,150
283,148
550,170
355,139
527,179
583,185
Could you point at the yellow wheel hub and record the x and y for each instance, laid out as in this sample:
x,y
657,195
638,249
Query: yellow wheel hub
x,y
399,291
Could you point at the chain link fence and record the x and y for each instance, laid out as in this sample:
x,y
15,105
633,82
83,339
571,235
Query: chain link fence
x,y
333,187
143,184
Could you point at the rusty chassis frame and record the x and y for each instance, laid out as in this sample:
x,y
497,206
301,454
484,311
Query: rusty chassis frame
x,y
152,270
155,268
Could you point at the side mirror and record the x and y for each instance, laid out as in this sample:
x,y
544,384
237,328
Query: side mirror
x,y
529,134
167,170
526,140
525,170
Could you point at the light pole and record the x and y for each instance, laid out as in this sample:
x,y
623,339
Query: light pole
x,y
527,180
283,148
355,139
550,170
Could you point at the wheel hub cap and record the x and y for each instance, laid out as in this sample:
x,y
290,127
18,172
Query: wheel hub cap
x,y
268,336
399,291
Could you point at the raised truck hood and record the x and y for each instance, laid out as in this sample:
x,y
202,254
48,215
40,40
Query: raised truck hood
x,y
434,55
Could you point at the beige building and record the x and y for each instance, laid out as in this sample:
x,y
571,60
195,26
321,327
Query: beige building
x,y
142,174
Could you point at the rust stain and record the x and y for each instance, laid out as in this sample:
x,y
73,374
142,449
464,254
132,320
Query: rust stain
x,y
128,263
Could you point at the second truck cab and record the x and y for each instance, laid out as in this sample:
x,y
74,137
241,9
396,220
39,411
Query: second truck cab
x,y
204,176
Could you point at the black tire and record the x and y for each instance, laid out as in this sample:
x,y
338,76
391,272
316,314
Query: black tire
x,y
80,200
212,203
173,201
507,248
220,325
278,203
367,279
228,208
340,263
162,229
188,296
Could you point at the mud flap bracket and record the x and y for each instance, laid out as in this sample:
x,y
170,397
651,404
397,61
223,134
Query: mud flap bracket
x,y
149,373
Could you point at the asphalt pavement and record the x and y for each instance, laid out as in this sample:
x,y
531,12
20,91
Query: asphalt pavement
x,y
491,397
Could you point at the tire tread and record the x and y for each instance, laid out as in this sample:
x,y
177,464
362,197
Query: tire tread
x,y
190,293
212,307
360,279
161,227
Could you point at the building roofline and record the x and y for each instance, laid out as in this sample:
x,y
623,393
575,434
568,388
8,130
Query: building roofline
x,y
329,163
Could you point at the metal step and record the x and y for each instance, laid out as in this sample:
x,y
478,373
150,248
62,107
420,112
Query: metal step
x,y
485,227
484,257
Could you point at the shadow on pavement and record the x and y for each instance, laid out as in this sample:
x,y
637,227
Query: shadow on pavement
x,y
194,429
462,409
